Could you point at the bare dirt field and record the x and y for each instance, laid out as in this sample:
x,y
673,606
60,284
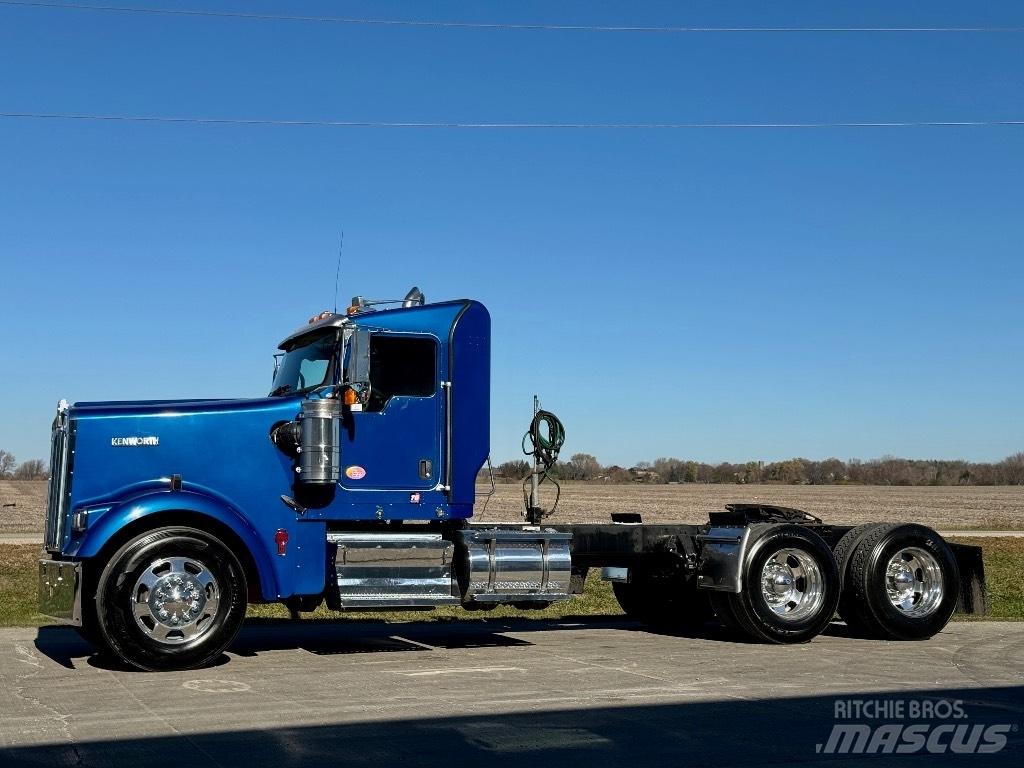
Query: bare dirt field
x,y
1000,507
948,508
21,506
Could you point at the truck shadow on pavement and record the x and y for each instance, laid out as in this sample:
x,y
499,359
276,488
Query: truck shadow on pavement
x,y
325,637
343,637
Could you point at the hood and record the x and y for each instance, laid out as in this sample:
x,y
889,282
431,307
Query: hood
x,y
172,407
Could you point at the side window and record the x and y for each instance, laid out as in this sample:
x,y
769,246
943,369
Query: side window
x,y
401,365
312,372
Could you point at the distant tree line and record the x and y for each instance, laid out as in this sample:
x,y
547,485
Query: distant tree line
x,y
888,470
34,469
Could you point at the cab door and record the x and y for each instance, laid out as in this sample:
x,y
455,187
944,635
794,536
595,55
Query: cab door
x,y
395,441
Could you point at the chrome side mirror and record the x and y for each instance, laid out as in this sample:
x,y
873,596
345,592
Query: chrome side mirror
x,y
355,379
357,357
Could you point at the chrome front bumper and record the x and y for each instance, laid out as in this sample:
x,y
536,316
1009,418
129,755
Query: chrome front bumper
x,y
60,591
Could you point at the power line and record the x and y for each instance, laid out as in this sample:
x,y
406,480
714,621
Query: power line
x,y
476,24
500,126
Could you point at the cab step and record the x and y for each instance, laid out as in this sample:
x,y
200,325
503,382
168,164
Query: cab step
x,y
391,570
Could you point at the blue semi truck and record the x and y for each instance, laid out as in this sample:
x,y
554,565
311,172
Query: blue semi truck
x,y
353,483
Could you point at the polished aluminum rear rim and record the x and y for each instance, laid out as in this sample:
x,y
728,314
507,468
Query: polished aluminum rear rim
x,y
913,581
792,584
175,600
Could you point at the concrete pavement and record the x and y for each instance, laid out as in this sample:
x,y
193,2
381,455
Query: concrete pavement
x,y
494,692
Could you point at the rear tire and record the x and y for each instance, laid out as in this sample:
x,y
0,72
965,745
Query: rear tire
x,y
903,583
173,598
665,603
722,605
844,552
790,586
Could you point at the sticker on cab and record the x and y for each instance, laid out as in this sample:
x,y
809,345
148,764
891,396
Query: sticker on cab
x,y
355,472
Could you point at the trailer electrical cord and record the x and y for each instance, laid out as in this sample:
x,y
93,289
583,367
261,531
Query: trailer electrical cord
x,y
546,435
490,493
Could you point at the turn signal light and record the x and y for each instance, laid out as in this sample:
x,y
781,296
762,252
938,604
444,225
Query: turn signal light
x,y
350,397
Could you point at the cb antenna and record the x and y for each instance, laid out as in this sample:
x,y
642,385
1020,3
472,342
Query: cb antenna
x,y
337,272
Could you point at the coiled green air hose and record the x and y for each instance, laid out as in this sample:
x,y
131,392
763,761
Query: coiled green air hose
x,y
546,435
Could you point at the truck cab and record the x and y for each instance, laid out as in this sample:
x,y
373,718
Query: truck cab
x,y
350,482
413,386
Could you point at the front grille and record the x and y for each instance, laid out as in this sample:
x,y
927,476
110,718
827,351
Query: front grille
x,y
59,488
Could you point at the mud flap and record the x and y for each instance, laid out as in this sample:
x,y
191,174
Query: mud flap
x,y
972,579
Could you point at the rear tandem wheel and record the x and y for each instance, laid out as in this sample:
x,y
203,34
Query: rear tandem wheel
x,y
790,586
901,581
669,603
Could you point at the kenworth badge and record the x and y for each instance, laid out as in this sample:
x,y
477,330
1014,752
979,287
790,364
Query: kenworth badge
x,y
133,442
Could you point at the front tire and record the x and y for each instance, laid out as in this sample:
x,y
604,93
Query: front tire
x,y
173,598
90,627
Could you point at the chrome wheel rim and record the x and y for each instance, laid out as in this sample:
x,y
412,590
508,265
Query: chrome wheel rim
x,y
913,582
175,600
792,584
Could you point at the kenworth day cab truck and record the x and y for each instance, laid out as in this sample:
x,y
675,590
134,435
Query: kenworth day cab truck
x,y
353,483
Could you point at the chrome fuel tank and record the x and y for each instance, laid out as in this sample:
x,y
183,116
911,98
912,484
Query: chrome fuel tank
x,y
501,565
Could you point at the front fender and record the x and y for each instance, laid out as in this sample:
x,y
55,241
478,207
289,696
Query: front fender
x,y
119,515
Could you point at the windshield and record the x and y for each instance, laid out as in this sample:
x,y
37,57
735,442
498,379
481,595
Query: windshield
x,y
307,365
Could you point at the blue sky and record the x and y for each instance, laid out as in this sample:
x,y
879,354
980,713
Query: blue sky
x,y
709,294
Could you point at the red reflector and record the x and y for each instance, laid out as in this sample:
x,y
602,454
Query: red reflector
x,y
281,539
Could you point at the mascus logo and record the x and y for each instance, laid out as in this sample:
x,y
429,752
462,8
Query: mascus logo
x,y
898,738
133,442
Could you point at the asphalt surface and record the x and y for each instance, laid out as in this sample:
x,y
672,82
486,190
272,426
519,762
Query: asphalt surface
x,y
499,693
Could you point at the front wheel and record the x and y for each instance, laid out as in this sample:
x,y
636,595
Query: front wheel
x,y
173,598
